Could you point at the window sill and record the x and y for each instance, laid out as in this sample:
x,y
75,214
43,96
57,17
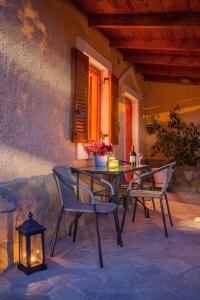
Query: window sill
x,y
80,152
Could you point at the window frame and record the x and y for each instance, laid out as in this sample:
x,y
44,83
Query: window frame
x,y
97,72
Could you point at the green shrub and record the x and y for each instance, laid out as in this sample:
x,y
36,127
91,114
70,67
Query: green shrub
x,y
176,140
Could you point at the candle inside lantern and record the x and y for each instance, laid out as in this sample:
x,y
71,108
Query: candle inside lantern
x,y
113,164
110,158
33,259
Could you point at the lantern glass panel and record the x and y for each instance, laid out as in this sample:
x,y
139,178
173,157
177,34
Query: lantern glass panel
x,y
36,250
22,250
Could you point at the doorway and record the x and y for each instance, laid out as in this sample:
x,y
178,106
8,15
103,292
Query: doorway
x,y
128,116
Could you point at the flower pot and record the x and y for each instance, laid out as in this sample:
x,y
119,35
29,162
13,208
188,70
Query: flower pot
x,y
158,177
101,161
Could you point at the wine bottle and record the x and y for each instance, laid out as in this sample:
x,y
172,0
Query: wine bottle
x,y
132,157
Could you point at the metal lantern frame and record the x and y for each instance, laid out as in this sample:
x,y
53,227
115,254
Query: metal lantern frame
x,y
29,230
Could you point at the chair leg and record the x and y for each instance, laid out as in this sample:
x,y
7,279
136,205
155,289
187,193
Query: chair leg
x,y
72,223
152,199
153,202
118,231
163,217
98,236
146,211
56,231
75,227
124,212
143,201
168,209
134,209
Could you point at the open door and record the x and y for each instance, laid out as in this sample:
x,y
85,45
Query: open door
x,y
128,113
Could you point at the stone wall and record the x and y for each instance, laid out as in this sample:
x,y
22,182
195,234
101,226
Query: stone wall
x,y
186,179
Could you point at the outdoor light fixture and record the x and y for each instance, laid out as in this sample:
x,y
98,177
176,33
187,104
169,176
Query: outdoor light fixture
x,y
31,246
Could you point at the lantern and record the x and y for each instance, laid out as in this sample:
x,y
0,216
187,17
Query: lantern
x,y
113,164
31,246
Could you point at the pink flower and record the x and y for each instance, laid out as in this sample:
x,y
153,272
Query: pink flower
x,y
99,148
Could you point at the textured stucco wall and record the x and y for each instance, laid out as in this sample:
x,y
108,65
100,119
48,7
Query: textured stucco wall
x,y
35,41
160,98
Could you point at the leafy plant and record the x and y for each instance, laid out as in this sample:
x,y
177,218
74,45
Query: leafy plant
x,y
176,140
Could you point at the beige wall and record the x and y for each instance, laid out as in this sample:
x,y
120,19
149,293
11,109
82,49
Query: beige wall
x,y
35,42
162,97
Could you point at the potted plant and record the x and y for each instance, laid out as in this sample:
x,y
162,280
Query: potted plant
x,y
100,152
176,140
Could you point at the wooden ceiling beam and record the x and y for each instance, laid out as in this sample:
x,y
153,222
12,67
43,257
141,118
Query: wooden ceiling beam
x,y
152,59
144,20
168,70
171,79
159,44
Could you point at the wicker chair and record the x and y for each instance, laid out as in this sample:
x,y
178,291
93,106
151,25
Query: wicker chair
x,y
69,196
139,194
146,184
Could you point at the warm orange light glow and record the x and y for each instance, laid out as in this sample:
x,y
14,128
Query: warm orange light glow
x,y
2,2
113,164
94,104
164,116
31,24
33,259
128,111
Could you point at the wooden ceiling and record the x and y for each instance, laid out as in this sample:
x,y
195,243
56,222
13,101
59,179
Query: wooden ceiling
x,y
160,37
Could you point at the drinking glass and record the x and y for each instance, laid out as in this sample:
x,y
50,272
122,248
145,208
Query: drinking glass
x,y
140,157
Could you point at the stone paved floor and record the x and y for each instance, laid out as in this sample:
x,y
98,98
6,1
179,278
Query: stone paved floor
x,y
149,266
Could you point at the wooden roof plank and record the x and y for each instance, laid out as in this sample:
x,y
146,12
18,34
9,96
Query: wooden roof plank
x,y
163,59
144,20
168,70
171,79
171,45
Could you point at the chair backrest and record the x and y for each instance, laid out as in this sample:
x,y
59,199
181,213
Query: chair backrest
x,y
167,175
158,178
63,176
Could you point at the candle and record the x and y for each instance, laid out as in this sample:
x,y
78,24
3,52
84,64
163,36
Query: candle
x,y
33,259
113,164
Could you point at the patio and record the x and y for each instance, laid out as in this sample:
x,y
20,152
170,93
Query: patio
x,y
149,266
112,81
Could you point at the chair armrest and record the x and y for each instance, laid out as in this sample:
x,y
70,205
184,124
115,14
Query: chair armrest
x,y
103,181
66,180
132,181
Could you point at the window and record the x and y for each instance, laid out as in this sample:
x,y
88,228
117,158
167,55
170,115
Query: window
x,y
95,110
94,105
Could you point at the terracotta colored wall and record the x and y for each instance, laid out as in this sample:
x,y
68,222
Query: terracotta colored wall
x,y
162,97
35,42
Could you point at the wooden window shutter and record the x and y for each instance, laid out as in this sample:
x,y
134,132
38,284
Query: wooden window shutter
x,y
114,110
79,88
